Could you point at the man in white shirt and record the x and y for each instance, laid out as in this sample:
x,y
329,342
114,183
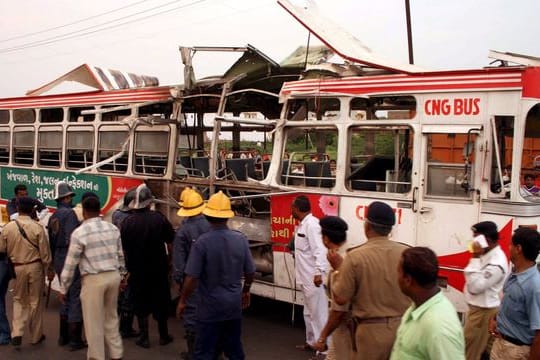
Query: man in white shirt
x,y
311,265
484,276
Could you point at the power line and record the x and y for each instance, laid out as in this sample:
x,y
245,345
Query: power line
x,y
72,23
81,32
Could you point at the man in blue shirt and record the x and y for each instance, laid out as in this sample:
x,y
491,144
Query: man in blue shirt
x,y
216,264
193,226
517,325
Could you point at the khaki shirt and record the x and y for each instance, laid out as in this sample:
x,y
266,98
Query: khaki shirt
x,y
18,249
368,278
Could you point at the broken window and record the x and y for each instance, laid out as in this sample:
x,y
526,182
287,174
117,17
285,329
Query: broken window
x,y
111,140
49,146
313,109
151,151
75,114
55,115
80,147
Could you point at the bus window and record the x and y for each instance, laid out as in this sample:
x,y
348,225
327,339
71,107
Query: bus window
x,y
159,111
308,156
501,162
383,107
380,159
4,146
55,115
76,116
49,147
24,116
110,144
313,109
117,115
4,116
80,147
23,147
449,170
530,160
151,152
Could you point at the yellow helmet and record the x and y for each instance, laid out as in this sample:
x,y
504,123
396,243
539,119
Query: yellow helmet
x,y
183,194
192,203
219,206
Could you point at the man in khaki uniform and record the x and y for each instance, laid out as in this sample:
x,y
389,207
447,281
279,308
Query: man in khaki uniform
x,y
26,245
368,279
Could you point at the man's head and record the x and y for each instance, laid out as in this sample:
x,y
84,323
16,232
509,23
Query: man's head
x,y
488,229
300,207
417,270
142,198
525,245
529,180
63,192
379,220
20,190
91,207
25,205
334,231
192,203
218,208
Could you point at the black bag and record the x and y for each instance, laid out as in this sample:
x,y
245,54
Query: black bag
x,y
10,271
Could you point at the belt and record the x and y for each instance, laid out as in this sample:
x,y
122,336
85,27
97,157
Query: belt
x,y
377,320
27,263
514,340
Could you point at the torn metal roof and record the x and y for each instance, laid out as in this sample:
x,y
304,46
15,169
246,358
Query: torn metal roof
x,y
99,79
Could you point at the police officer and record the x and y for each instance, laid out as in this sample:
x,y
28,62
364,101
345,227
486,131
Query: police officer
x,y
125,301
61,225
367,278
192,227
145,233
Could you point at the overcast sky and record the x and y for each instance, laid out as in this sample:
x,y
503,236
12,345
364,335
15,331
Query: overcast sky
x,y
446,33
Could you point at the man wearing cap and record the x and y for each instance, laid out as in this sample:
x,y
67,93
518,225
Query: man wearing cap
x,y
217,262
39,211
367,279
61,225
193,226
334,236
310,266
517,325
25,243
125,301
484,279
145,234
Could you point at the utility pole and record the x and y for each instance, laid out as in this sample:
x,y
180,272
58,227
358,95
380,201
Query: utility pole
x,y
409,31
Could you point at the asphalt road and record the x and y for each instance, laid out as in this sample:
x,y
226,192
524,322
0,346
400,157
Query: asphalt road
x,y
268,333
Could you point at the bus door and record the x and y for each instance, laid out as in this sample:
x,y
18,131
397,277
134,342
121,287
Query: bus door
x,y
447,203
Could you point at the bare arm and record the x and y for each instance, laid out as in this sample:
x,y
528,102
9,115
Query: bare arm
x,y
334,319
535,347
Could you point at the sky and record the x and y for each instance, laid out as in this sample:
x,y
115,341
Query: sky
x,y
143,36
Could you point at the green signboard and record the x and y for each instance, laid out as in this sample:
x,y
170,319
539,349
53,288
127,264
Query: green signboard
x,y
40,184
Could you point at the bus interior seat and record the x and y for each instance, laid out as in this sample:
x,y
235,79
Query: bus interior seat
x,y
374,169
203,164
242,168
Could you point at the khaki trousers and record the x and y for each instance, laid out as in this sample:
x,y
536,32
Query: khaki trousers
x,y
375,341
504,350
28,300
99,296
340,347
476,331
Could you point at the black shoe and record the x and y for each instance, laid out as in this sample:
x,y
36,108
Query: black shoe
x,y
16,341
165,340
77,346
129,334
143,342
41,339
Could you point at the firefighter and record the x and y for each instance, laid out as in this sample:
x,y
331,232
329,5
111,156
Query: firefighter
x,y
144,235
193,226
61,225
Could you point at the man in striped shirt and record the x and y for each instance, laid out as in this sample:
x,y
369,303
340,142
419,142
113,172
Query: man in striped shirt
x,y
96,248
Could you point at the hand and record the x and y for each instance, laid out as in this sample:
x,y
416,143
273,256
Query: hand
x,y
320,346
334,259
246,300
492,327
62,298
123,284
180,309
317,280
50,275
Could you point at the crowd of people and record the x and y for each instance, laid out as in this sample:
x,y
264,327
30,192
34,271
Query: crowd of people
x,y
380,300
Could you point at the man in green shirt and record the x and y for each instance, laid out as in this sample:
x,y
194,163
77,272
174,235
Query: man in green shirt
x,y
430,328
